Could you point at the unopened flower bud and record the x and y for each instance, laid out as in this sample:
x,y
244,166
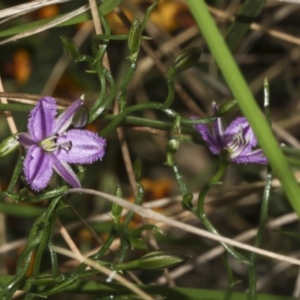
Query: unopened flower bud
x,y
154,260
116,208
9,145
134,39
185,60
45,279
227,108
138,169
161,260
173,145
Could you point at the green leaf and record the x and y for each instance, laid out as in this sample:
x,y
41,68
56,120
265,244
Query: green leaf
x,y
18,210
106,7
249,11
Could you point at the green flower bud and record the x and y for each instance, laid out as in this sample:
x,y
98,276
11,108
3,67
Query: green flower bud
x,y
173,145
154,260
45,279
185,60
161,260
138,169
9,145
227,108
134,39
70,47
116,208
81,117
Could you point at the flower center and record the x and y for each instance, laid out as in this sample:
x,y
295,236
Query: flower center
x,y
238,144
50,144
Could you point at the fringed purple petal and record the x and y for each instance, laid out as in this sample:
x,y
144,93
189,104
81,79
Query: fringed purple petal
x,y
64,120
37,168
25,139
256,156
65,171
214,145
42,119
235,127
85,148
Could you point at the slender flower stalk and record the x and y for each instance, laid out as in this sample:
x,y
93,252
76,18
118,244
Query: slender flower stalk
x,y
50,146
237,139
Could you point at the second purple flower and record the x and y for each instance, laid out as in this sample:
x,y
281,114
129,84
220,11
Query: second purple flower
x,y
238,139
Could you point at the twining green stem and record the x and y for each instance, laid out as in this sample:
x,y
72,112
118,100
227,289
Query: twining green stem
x,y
246,101
16,173
23,265
103,88
101,103
124,240
259,236
200,212
171,162
153,105
171,92
126,80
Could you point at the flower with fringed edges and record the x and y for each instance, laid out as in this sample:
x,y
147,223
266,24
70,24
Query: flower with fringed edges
x,y
50,146
238,140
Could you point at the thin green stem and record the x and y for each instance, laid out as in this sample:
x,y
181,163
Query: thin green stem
x,y
259,236
200,213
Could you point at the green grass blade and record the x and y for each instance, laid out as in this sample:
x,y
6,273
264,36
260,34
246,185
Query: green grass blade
x,y
249,11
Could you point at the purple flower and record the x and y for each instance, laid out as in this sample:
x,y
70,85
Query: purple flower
x,y
238,139
51,147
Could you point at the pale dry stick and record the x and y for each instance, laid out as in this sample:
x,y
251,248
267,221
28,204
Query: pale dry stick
x,y
18,294
149,214
64,233
33,5
8,115
95,16
98,29
104,270
219,250
31,98
64,60
49,25
16,16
